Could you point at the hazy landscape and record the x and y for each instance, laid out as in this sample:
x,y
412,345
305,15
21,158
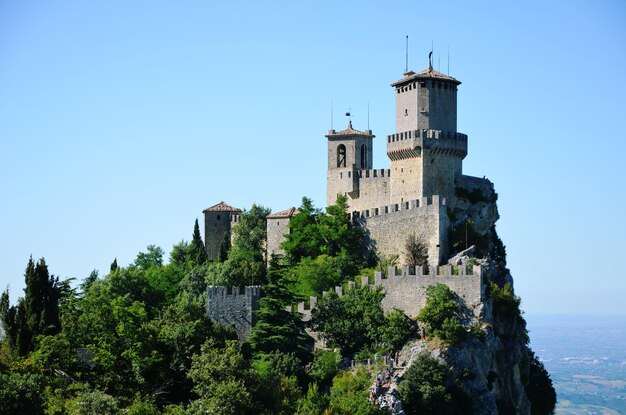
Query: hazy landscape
x,y
586,358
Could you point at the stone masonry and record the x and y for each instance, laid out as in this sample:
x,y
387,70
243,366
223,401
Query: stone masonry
x,y
234,307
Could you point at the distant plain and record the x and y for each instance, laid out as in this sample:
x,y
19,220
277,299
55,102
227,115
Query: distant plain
x,y
586,359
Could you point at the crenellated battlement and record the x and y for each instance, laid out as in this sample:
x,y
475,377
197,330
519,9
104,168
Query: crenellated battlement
x,y
234,306
410,143
434,200
405,289
373,173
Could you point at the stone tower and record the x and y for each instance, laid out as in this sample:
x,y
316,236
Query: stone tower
x,y
426,151
218,223
349,151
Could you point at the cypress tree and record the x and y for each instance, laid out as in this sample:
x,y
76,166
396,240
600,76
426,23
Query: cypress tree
x,y
197,246
114,266
36,313
279,329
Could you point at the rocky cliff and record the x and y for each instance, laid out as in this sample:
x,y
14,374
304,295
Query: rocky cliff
x,y
493,365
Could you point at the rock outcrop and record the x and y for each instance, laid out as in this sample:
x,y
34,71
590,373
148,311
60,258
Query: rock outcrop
x,y
492,364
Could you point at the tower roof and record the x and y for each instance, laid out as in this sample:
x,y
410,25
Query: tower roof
x,y
349,132
425,74
288,213
221,207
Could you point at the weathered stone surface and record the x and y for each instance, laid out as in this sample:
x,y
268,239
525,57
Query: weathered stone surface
x,y
462,257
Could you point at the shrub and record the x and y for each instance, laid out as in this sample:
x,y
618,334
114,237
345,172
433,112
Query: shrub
x,y
427,388
504,301
441,314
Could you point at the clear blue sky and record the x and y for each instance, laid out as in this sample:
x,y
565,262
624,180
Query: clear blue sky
x,y
121,121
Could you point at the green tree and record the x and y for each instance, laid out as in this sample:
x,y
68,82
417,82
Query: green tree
x,y
352,321
182,327
21,394
197,245
277,389
303,239
313,276
442,313
326,364
245,264
349,394
397,329
182,255
313,233
313,403
114,266
427,388
278,329
222,379
152,258
93,402
37,313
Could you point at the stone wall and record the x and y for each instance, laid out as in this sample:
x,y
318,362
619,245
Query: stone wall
x,y
234,307
276,230
407,291
388,227
217,224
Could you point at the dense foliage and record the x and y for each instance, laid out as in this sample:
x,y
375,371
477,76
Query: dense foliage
x,y
355,322
323,250
428,388
442,313
138,341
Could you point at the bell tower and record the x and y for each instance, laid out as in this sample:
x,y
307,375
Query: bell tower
x,y
349,151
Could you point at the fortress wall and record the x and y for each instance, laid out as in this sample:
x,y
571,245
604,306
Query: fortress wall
x,y
390,226
407,291
341,181
406,179
234,307
439,174
374,189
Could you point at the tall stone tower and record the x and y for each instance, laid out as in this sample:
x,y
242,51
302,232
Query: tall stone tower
x,y
426,151
218,222
349,151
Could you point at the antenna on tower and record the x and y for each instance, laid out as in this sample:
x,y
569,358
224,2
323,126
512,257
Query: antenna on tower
x,y
406,65
430,55
349,115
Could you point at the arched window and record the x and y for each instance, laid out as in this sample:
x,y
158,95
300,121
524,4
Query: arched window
x,y
363,156
341,155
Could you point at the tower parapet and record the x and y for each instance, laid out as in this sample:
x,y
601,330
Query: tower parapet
x,y
408,144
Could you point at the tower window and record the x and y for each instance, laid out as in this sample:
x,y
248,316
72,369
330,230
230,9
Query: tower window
x,y
363,156
341,156
406,111
218,217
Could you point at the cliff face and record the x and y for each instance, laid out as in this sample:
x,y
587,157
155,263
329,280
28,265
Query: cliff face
x,y
492,365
